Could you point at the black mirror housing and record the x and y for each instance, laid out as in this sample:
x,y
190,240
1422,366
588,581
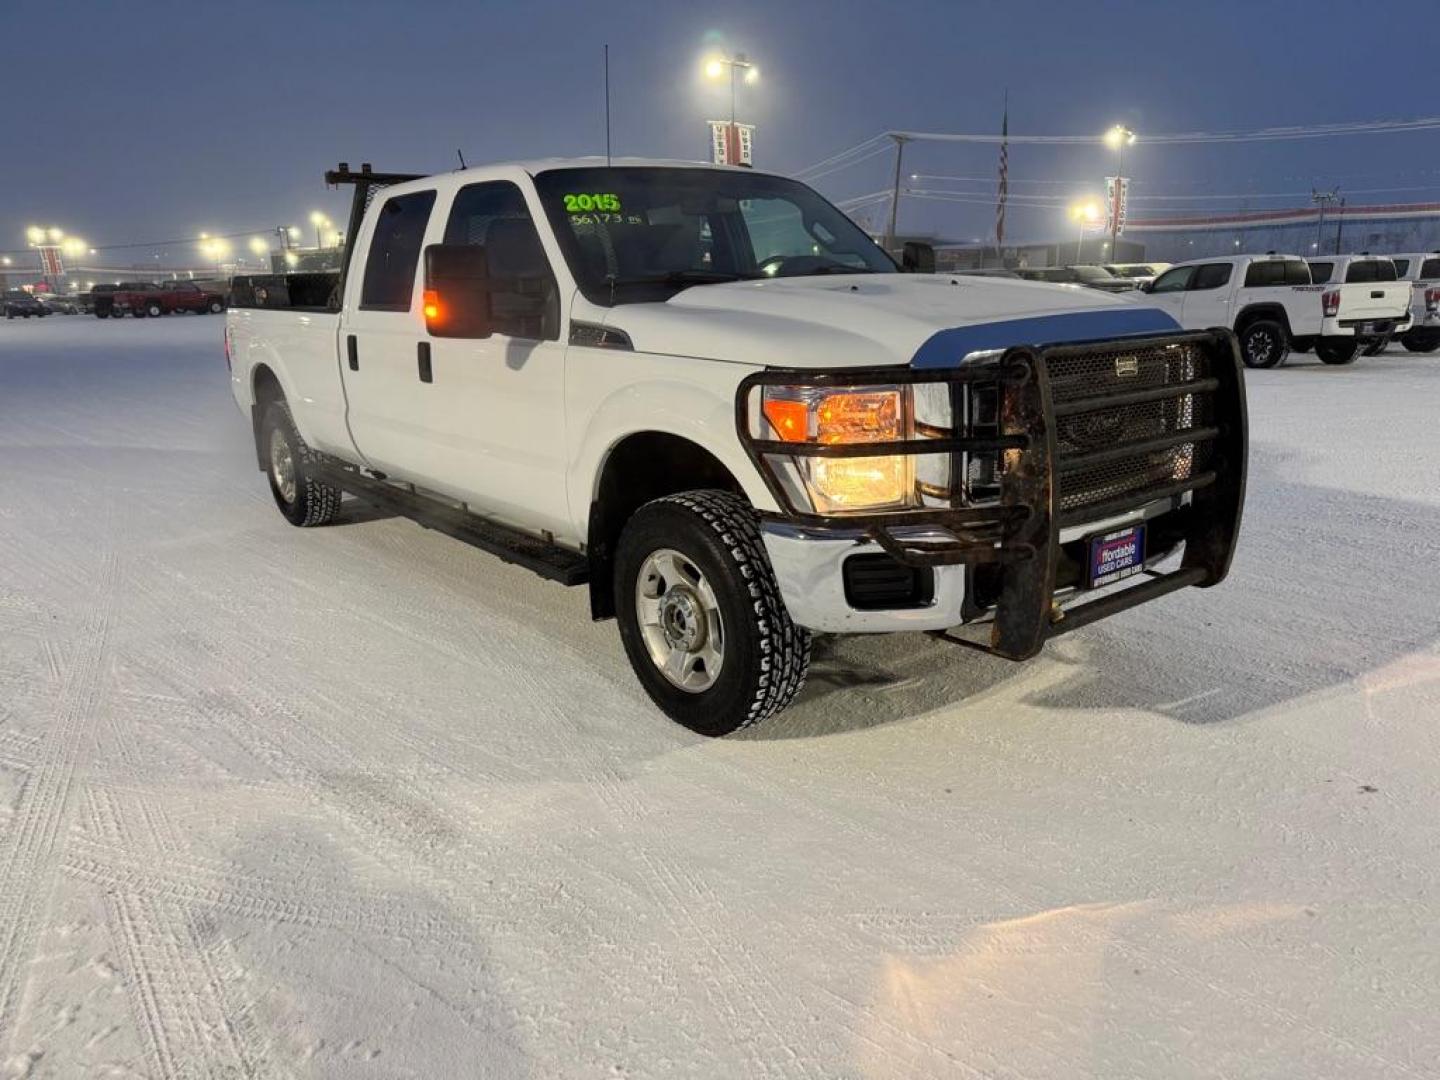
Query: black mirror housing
x,y
917,257
457,291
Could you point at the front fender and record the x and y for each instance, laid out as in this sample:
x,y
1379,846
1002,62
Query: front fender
x,y
699,407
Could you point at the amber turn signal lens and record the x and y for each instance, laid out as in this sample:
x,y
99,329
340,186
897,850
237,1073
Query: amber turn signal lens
x,y
790,419
431,305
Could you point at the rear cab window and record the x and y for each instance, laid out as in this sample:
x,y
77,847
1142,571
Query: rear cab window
x,y
1320,272
394,254
1430,269
1366,270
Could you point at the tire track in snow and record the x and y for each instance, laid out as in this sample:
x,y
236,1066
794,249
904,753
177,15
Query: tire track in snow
x,y
28,855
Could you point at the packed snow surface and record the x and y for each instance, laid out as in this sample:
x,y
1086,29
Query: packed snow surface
x,y
362,802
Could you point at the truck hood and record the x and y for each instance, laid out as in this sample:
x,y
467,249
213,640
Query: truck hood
x,y
856,320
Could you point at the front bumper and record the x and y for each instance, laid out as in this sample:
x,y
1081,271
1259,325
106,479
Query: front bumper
x,y
1088,437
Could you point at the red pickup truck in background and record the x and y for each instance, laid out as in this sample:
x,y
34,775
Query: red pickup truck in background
x,y
144,299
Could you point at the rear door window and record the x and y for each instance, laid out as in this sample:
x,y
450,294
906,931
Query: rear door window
x,y
395,252
1430,269
1210,276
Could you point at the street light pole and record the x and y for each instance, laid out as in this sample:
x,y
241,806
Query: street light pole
x,y
1117,138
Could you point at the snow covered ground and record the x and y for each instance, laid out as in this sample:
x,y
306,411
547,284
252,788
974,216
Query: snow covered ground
x,y
362,802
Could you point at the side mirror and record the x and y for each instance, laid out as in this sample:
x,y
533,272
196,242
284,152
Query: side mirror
x,y
917,257
457,291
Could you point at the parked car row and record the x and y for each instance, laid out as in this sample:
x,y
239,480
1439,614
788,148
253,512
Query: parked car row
x,y
146,299
20,304
1276,304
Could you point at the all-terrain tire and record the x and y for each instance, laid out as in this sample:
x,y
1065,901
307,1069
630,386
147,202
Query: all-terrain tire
x,y
301,498
1263,344
1337,350
153,310
214,307
765,656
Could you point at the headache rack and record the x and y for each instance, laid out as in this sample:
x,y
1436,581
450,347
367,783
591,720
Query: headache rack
x,y
366,183
1041,440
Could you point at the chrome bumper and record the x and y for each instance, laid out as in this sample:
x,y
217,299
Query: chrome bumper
x,y
809,568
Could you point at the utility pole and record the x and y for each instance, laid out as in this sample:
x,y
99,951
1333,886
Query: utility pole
x,y
1339,224
1322,199
900,141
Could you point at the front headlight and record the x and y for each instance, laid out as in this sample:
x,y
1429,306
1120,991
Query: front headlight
x,y
867,414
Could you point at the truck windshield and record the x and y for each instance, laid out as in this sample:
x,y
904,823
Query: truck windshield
x,y
643,233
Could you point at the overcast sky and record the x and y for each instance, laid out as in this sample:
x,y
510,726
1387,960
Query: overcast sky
x,y
142,121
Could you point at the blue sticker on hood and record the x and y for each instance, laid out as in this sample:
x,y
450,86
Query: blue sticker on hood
x,y
947,348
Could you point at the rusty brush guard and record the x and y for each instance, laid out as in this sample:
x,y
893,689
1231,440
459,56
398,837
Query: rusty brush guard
x,y
1039,440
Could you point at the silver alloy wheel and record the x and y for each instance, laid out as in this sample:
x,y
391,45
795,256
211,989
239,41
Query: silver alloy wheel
x,y
680,620
1260,343
282,464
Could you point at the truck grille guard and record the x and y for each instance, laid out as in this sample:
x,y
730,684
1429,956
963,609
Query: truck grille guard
x,y
1080,433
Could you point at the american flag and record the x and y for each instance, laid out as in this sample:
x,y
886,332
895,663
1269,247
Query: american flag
x,y
1004,175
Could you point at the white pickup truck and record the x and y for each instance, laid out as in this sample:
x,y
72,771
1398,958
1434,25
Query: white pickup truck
x,y
1421,270
1364,300
706,395
1267,300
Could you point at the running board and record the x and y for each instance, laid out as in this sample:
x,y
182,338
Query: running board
x,y
510,545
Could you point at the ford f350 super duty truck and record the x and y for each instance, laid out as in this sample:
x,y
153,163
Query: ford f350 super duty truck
x,y
706,395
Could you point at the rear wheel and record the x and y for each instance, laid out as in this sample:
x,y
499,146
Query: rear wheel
x,y
701,616
153,309
289,465
215,307
1421,341
1337,350
1262,344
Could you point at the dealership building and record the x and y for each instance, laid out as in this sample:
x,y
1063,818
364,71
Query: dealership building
x,y
1301,231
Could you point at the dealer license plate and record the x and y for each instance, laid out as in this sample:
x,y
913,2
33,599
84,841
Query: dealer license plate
x,y
1115,555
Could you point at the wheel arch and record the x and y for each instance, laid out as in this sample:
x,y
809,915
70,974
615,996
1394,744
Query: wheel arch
x,y
1254,312
637,468
265,388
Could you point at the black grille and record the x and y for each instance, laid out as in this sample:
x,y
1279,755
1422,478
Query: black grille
x,y
1116,370
1109,400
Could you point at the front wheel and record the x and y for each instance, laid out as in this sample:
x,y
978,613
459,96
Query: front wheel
x,y
1262,344
154,310
215,307
289,465
701,616
1337,350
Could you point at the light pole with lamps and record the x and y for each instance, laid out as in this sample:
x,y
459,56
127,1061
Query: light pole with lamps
x,y
1118,138
1086,213
715,67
